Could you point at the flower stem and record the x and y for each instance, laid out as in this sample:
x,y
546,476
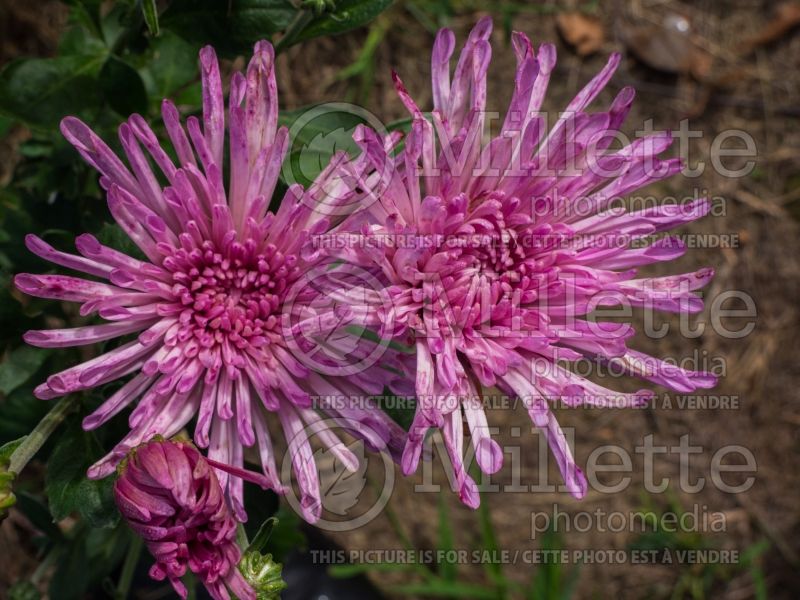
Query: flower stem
x,y
301,19
129,567
241,538
36,438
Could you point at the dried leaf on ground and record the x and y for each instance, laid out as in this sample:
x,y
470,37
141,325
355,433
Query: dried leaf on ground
x,y
786,18
584,32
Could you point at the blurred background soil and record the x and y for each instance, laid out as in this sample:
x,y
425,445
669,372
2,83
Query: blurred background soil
x,y
737,68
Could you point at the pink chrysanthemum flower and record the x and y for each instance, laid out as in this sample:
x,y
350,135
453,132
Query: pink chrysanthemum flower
x,y
212,335
496,253
170,496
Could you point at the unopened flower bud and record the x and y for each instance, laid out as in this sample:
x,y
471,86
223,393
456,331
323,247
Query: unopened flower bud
x,y
170,496
263,574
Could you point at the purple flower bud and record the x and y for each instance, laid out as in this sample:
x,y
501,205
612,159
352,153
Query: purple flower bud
x,y
170,496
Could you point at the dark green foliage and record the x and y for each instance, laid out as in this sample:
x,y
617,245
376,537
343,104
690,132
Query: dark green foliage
x,y
231,27
347,15
19,366
66,485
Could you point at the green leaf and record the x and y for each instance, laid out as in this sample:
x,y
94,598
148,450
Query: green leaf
x,y
549,579
81,40
7,449
86,13
5,125
40,91
21,364
348,15
286,535
71,580
86,559
403,124
20,413
489,541
346,571
38,514
150,12
123,87
112,235
174,64
118,24
449,569
35,149
231,27
750,554
750,559
252,19
190,95
317,132
23,590
67,487
759,582
264,532
437,588
401,409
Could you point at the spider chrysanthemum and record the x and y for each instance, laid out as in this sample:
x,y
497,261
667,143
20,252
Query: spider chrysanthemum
x,y
205,309
497,251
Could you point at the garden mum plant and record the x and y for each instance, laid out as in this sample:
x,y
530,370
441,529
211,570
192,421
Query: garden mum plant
x,y
490,255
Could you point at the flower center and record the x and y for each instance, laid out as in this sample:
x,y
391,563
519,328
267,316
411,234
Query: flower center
x,y
231,295
499,256
487,276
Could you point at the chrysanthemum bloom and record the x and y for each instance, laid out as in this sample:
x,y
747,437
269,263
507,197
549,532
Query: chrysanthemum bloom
x,y
170,496
204,307
498,252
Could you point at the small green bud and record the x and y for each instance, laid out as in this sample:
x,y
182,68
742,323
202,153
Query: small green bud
x,y
319,6
262,574
7,497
